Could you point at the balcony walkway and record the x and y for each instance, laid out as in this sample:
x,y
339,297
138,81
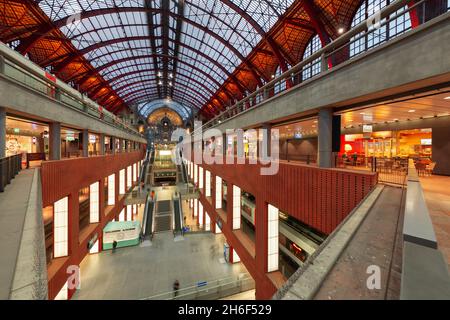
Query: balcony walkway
x,y
437,196
374,243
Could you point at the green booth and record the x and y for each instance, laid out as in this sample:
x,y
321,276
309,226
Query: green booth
x,y
126,233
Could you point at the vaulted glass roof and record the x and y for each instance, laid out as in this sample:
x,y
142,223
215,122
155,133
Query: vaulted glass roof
x,y
157,49
147,108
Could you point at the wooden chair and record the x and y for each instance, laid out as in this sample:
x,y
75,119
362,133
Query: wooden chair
x,y
421,168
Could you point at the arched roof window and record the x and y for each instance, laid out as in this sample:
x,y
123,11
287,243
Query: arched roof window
x,y
312,68
378,33
279,86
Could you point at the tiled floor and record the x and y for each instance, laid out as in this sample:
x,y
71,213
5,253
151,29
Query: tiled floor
x,y
247,295
140,272
437,195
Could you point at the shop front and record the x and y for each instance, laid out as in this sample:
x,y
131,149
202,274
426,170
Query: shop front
x,y
27,138
359,149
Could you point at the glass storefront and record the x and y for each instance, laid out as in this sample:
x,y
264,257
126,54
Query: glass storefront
x,y
94,145
357,149
23,136
70,143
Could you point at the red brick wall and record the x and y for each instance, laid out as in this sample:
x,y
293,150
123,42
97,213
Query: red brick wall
x,y
65,178
321,198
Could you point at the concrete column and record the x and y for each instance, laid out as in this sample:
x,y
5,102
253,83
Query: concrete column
x,y
102,144
2,132
224,143
55,140
120,145
325,154
85,142
113,142
264,146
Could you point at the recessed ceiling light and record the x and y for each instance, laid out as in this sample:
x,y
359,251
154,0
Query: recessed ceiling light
x,y
447,98
411,111
362,113
341,30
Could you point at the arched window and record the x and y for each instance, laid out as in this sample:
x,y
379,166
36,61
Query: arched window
x,y
378,32
312,68
279,86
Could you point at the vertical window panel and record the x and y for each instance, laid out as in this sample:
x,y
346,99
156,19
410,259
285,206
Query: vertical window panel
x,y
112,190
218,192
236,208
94,203
272,238
61,227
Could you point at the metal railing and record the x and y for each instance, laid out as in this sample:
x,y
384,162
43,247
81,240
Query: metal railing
x,y
330,56
23,71
209,290
9,168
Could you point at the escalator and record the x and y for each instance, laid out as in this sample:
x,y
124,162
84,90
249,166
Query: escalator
x,y
182,168
147,231
178,214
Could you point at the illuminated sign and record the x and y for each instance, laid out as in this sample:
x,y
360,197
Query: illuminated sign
x,y
367,128
425,142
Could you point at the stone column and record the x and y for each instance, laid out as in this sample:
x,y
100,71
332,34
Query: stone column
x,y
325,154
102,144
113,142
264,146
120,145
55,140
85,143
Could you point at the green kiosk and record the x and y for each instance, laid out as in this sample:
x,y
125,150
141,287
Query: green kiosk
x,y
126,233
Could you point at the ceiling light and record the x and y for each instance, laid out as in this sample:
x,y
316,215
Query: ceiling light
x,y
170,75
447,98
159,74
160,83
363,113
341,30
273,76
411,111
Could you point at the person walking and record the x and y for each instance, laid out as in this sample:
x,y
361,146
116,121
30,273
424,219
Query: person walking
x,y
176,287
114,246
